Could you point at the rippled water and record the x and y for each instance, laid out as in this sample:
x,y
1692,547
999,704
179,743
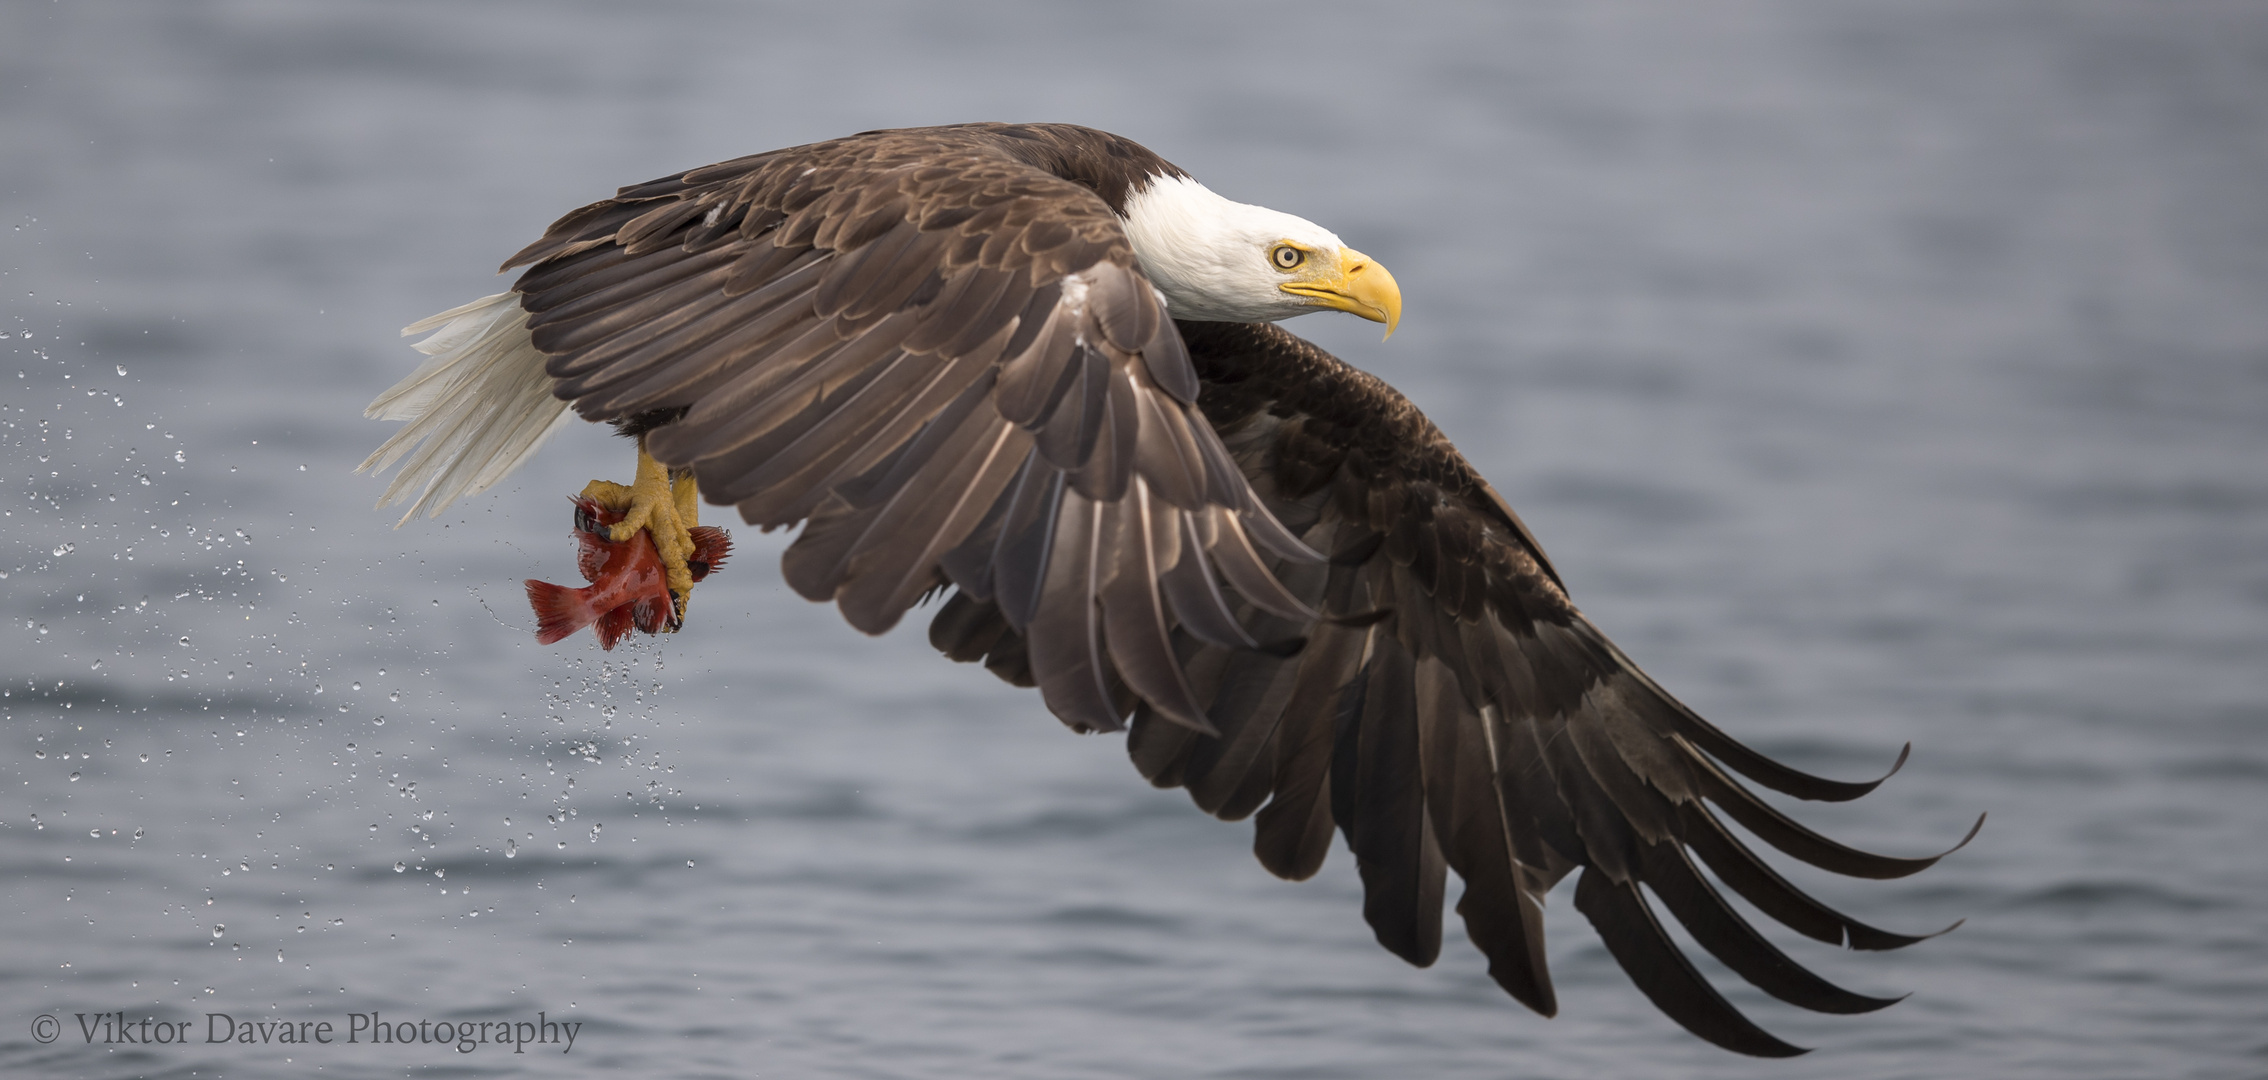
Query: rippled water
x,y
1875,372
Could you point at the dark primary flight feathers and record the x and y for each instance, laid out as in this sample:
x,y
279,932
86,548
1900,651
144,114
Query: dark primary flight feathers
x,y
939,350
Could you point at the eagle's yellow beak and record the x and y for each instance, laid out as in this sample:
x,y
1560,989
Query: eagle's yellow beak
x,y
1356,286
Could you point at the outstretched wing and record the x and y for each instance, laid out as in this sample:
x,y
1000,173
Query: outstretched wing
x,y
947,360
1453,711
944,357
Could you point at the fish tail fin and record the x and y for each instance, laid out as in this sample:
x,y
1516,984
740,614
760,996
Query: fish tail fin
x,y
559,610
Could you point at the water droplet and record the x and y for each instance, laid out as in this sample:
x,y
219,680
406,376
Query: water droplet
x,y
440,873
65,549
279,956
185,639
219,929
121,369
96,833
380,721
395,696
138,832
181,455
689,864
42,755
354,686
511,849
398,867
74,778
145,757
246,867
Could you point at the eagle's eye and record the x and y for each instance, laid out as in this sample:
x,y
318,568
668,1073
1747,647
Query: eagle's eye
x,y
1287,257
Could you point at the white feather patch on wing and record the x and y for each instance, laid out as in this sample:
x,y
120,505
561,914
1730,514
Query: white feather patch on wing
x,y
480,406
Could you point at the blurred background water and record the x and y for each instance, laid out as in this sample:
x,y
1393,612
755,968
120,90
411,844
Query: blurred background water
x,y
1875,372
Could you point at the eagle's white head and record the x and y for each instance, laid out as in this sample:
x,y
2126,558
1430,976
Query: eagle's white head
x,y
1222,261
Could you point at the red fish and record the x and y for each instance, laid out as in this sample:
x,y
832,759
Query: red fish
x,y
629,588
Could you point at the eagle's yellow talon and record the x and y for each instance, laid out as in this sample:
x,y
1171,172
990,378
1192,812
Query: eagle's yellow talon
x,y
608,494
667,510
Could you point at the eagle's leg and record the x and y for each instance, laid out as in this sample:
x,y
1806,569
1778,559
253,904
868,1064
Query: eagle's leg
x,y
667,507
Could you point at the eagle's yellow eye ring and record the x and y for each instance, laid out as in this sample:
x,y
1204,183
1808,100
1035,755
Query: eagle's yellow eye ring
x,y
1287,257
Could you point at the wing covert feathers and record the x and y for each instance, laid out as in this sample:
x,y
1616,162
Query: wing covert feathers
x,y
933,348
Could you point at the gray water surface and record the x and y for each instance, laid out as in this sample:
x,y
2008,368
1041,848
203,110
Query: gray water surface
x,y
1874,372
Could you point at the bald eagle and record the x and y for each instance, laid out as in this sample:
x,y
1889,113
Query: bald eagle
x,y
1037,365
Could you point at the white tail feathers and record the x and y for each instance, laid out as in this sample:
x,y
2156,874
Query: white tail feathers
x,y
480,406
